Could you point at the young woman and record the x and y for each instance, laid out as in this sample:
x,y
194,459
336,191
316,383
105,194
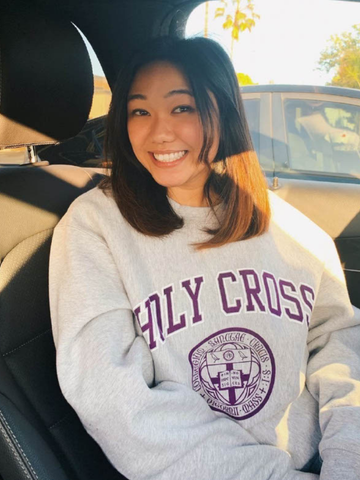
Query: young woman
x,y
199,337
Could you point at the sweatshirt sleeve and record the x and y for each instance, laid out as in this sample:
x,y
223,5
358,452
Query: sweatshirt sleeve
x,y
106,373
333,374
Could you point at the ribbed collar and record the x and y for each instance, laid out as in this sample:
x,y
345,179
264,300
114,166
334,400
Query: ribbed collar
x,y
200,215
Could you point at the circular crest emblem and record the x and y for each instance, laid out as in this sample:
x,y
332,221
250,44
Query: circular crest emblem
x,y
234,370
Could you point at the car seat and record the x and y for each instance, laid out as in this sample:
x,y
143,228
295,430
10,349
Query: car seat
x,y
45,96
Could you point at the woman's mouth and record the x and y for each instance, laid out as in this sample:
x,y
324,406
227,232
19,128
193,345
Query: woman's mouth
x,y
169,157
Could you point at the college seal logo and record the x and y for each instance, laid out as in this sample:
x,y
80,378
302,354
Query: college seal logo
x,y
234,370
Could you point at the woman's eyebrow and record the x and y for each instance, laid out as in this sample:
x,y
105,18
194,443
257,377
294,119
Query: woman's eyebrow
x,y
181,91
136,96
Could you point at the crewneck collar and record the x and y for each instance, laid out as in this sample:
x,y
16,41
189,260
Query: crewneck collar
x,y
197,214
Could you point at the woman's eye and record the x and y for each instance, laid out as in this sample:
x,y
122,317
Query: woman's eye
x,y
183,109
139,113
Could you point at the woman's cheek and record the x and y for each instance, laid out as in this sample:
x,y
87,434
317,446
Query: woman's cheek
x,y
192,132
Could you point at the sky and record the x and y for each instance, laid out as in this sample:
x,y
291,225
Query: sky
x,y
285,44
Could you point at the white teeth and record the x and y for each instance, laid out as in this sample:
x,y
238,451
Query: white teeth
x,y
169,157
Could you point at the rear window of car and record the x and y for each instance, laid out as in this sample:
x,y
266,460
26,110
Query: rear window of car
x,y
284,42
270,48
102,92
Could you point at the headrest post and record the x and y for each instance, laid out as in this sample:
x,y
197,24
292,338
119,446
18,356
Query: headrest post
x,y
32,157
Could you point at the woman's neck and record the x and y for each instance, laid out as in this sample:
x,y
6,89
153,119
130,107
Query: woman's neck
x,y
189,198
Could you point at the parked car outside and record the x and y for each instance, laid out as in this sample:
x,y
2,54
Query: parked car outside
x,y
305,132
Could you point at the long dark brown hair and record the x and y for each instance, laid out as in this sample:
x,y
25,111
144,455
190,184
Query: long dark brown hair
x,y
235,174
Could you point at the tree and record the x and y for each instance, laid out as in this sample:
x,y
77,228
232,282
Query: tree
x,y
244,79
342,56
240,16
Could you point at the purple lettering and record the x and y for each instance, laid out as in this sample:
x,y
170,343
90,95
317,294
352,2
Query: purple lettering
x,y
173,327
252,292
154,298
146,327
194,296
267,279
298,316
305,290
137,313
224,301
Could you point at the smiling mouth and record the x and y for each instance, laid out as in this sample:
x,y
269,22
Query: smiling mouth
x,y
169,157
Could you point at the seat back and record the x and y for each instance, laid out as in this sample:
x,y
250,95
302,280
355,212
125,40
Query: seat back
x,y
46,86
41,437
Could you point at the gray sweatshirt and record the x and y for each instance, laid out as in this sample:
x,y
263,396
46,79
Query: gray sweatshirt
x,y
234,363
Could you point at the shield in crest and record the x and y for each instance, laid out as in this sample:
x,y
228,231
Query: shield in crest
x,y
230,367
234,371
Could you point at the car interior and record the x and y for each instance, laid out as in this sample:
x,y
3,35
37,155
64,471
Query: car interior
x,y
46,90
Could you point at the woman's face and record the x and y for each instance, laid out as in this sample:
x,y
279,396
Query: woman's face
x,y
165,131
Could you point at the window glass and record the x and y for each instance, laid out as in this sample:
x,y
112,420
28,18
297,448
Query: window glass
x,y
252,111
323,136
293,43
102,97
285,42
102,92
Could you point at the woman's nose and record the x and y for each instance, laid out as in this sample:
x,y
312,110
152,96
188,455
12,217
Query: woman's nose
x,y
162,130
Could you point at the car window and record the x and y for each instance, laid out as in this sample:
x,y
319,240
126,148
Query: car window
x,y
102,92
323,136
101,98
252,110
322,145
284,42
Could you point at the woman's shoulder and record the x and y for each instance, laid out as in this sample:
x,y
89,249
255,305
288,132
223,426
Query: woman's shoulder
x,y
90,209
93,198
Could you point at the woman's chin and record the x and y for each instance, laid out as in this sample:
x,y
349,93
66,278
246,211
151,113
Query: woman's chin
x,y
168,182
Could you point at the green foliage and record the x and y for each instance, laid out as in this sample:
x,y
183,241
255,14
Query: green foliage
x,y
342,56
244,79
240,16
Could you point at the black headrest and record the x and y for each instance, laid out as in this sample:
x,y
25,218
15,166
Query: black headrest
x,y
46,81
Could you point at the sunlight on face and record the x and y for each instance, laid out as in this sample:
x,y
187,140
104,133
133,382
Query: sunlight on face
x,y
165,132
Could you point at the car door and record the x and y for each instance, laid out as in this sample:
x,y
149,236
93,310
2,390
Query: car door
x,y
316,135
316,157
258,113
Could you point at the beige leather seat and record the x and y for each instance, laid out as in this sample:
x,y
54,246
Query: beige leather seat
x,y
46,93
